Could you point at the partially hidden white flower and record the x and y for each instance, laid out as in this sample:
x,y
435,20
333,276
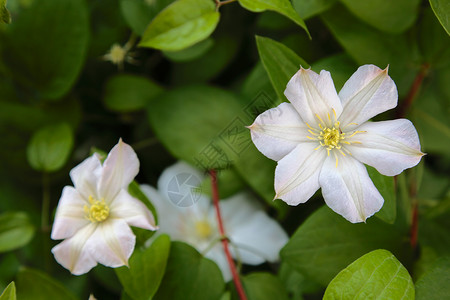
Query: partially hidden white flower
x,y
254,237
95,215
323,139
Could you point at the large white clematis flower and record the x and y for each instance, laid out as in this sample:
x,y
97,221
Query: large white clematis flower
x,y
94,217
254,236
322,139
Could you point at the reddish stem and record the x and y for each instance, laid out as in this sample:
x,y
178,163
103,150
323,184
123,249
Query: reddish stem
x,y
406,104
414,226
234,273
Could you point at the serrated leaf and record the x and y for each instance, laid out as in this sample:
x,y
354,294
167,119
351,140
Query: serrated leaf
x,y
16,230
280,62
386,186
326,243
37,285
433,285
49,148
181,24
283,7
190,276
390,16
45,48
264,286
441,9
5,16
9,293
146,265
125,92
376,275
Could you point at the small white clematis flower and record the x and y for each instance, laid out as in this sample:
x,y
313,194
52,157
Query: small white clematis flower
x,y
254,236
94,217
323,139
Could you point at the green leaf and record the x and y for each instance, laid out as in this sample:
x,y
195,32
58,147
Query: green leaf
x,y
125,93
46,46
309,8
264,286
341,67
49,148
326,243
296,283
139,13
390,16
200,125
16,230
283,7
441,9
190,53
280,62
386,187
5,16
376,275
9,293
36,285
146,266
181,24
433,285
190,276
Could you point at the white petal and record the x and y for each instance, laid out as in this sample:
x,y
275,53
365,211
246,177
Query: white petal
x,y
297,174
86,175
277,131
312,94
72,253
112,243
178,183
348,190
388,146
119,170
368,92
70,216
133,211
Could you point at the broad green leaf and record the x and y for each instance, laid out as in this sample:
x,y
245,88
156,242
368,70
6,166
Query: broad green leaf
x,y
280,62
190,53
139,13
50,147
45,47
283,7
263,286
145,266
190,276
259,89
125,93
326,243
296,283
37,285
5,16
441,9
181,24
376,275
9,293
390,16
433,285
386,187
309,8
16,230
200,125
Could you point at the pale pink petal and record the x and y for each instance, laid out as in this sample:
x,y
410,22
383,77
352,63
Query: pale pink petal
x,y
112,243
348,189
277,131
388,146
133,211
72,253
70,216
369,92
86,175
297,174
313,94
119,170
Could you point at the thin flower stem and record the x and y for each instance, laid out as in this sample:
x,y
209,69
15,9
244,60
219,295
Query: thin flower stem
x,y
220,3
234,273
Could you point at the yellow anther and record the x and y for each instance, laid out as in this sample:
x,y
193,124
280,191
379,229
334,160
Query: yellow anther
x,y
203,229
97,211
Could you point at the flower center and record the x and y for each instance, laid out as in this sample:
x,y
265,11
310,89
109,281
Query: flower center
x,y
203,229
117,54
330,137
97,211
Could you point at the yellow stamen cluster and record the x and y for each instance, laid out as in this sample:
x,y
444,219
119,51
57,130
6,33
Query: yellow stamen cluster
x,y
97,211
203,229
